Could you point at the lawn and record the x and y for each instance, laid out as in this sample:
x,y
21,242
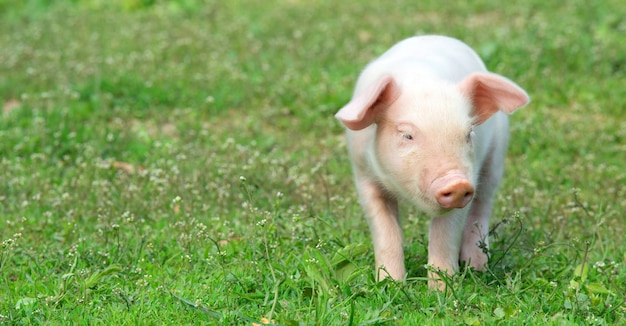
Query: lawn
x,y
178,162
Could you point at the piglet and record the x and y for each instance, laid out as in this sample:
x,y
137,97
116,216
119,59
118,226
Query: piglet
x,y
426,124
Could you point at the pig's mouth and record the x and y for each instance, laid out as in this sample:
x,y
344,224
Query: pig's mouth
x,y
440,211
428,205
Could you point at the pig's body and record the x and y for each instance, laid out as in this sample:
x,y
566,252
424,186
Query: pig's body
x,y
424,125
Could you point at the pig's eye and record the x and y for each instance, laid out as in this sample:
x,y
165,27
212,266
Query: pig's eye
x,y
407,136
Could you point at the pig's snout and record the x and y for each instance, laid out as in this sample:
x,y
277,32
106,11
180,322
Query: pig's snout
x,y
454,191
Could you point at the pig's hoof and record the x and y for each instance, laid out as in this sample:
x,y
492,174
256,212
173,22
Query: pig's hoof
x,y
476,259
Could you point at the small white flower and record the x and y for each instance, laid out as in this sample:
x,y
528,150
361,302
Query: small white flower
x,y
320,244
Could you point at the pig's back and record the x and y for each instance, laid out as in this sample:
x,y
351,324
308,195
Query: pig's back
x,y
440,56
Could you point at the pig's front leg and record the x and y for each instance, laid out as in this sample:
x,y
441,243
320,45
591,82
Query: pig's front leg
x,y
381,211
444,243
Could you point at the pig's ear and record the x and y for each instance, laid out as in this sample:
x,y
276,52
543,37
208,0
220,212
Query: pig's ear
x,y
361,111
490,93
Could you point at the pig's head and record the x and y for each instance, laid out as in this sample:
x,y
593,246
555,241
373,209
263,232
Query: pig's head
x,y
424,144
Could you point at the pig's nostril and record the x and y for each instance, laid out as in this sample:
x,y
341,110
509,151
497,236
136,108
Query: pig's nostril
x,y
467,197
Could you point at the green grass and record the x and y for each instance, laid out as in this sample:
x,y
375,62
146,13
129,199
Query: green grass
x,y
167,162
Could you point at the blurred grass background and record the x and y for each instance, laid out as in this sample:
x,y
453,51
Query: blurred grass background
x,y
178,162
